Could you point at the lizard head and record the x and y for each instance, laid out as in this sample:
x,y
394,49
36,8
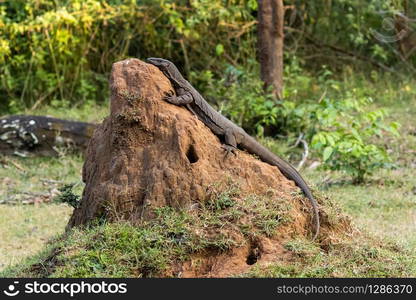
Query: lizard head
x,y
167,67
159,62
162,64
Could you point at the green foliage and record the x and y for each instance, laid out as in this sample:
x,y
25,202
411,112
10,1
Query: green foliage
x,y
341,128
223,200
239,94
363,28
61,52
345,132
67,196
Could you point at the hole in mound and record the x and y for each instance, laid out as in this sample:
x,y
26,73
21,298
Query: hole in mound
x,y
191,154
253,256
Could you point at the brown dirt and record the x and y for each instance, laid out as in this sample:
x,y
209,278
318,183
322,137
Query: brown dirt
x,y
149,153
237,261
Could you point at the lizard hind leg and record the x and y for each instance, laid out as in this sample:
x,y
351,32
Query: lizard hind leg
x,y
230,145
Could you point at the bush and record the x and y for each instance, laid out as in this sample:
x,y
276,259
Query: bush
x,y
339,126
239,95
67,196
345,136
62,51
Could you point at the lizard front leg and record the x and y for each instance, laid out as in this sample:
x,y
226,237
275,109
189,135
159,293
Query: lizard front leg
x,y
182,97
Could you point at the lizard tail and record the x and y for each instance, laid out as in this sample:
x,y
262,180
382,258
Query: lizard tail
x,y
252,146
292,174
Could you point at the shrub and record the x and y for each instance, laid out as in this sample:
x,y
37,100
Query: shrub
x,y
67,196
345,136
341,128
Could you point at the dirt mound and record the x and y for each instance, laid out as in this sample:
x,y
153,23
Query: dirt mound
x,y
149,154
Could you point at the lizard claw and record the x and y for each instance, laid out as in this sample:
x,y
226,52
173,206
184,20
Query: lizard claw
x,y
169,93
169,96
229,149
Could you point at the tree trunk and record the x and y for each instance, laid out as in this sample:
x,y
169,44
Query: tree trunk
x,y
270,44
405,33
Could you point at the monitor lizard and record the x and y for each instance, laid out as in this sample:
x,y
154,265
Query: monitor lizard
x,y
234,136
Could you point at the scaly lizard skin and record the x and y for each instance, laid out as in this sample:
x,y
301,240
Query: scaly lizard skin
x,y
234,136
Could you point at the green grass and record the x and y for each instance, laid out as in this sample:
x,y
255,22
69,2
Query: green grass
x,y
86,113
28,216
25,179
25,229
150,248
361,256
385,206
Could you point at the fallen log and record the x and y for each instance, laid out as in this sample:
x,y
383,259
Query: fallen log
x,y
39,135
